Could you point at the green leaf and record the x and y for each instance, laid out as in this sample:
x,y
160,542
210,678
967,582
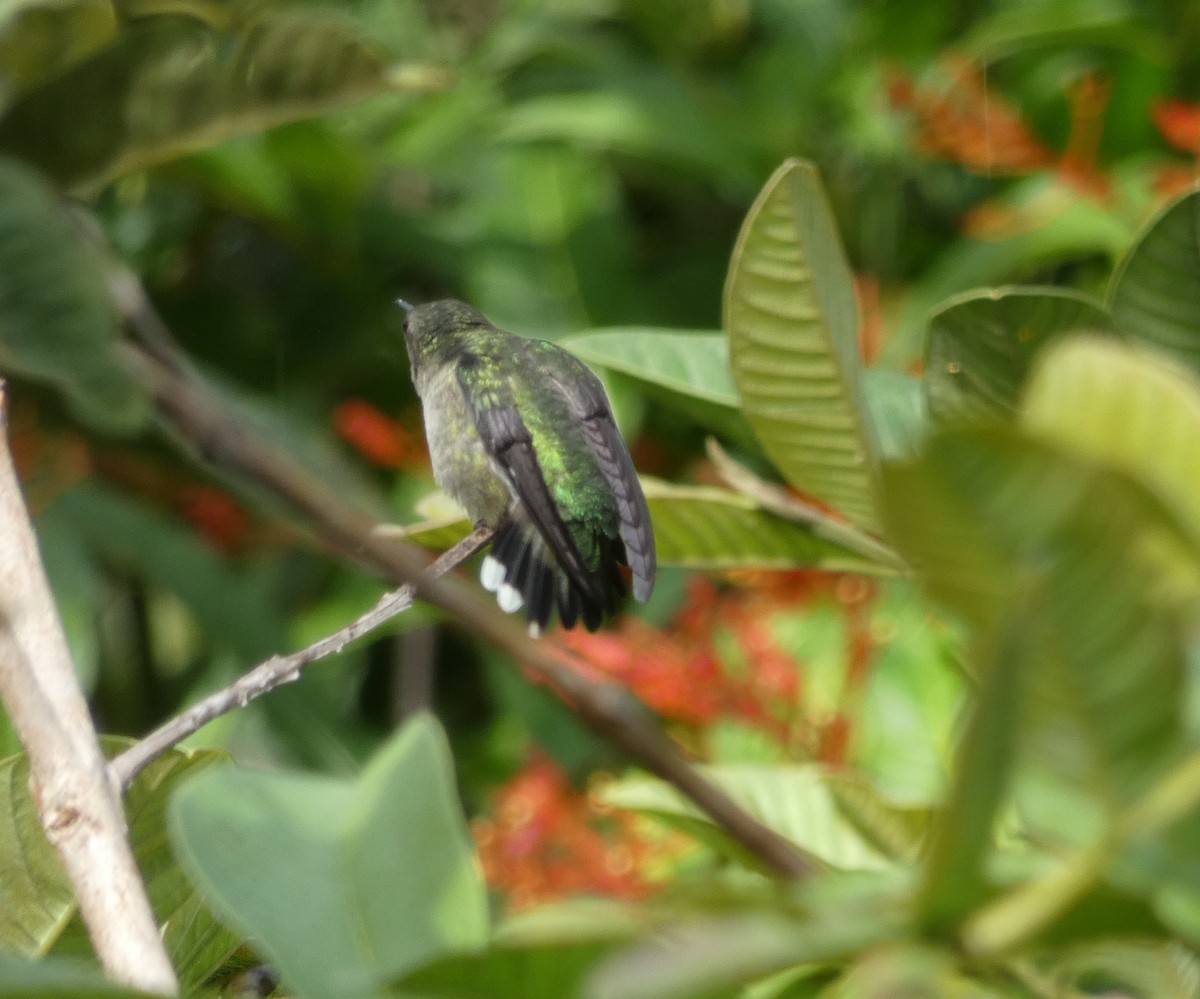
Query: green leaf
x,y
687,370
173,84
56,978
547,972
1145,968
36,898
708,957
908,970
345,885
1052,225
37,902
56,323
963,834
898,411
981,346
700,527
989,518
1155,292
688,362
1011,30
795,801
1126,408
704,527
896,832
793,342
197,943
41,38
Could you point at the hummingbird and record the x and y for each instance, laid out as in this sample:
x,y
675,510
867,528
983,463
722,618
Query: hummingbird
x,y
522,436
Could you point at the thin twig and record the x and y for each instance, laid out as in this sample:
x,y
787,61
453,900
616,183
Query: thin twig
x,y
779,501
79,808
280,670
190,410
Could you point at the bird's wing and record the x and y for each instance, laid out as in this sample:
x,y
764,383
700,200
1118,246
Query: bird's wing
x,y
589,405
509,444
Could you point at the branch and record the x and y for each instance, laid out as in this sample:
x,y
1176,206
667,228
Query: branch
x,y
779,501
280,670
189,409
79,808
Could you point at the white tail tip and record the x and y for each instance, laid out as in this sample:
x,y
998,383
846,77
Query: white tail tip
x,y
509,598
491,574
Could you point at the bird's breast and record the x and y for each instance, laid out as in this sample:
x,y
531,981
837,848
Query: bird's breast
x,y
460,464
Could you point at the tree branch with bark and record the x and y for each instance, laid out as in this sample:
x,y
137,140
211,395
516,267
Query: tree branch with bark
x,y
79,807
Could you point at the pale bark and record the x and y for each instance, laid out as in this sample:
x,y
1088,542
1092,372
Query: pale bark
x,y
79,806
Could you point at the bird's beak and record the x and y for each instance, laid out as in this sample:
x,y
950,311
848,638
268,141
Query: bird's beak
x,y
408,307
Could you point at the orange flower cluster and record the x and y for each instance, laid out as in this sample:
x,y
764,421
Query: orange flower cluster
x,y
682,675
544,841
968,122
718,660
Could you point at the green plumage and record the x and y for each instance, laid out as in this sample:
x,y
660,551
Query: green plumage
x,y
521,434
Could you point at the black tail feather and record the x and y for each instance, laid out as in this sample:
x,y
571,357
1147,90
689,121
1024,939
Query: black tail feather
x,y
531,568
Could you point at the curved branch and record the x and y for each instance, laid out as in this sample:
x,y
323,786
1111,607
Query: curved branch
x,y
280,670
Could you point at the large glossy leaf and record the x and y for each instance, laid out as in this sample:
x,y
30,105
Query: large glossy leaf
x,y
981,345
1155,293
792,323
1126,408
172,83
56,324
345,885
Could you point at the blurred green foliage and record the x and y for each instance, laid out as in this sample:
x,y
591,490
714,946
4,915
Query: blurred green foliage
x,y
952,315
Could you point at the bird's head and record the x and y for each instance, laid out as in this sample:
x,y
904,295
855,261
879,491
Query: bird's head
x,y
435,326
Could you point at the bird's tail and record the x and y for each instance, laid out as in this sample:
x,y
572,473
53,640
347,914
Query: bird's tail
x,y
522,571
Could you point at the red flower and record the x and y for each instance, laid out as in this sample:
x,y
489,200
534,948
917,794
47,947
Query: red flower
x,y
543,841
967,122
216,516
1179,124
373,434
